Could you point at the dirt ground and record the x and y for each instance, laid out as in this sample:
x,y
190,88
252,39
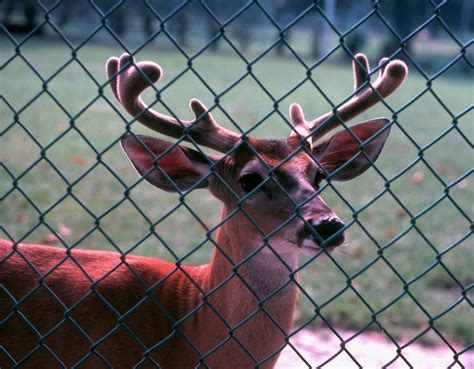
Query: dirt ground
x,y
371,350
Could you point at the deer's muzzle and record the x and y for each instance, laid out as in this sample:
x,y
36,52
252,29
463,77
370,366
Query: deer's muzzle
x,y
325,232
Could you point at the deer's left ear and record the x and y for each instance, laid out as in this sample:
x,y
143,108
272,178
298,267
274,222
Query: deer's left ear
x,y
165,165
343,148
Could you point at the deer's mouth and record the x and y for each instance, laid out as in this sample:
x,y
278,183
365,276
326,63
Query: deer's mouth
x,y
310,247
333,243
320,234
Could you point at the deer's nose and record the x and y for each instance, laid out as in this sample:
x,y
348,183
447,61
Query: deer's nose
x,y
328,229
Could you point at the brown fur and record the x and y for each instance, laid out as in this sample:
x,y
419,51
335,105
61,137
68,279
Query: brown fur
x,y
94,295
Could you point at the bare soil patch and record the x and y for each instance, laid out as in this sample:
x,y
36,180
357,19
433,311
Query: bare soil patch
x,y
370,350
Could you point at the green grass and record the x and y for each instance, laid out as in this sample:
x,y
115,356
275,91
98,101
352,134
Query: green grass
x,y
70,186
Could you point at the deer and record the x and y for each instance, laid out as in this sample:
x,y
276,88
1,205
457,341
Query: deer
x,y
93,309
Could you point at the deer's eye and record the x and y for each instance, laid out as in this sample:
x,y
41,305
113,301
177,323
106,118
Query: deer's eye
x,y
307,145
319,177
250,181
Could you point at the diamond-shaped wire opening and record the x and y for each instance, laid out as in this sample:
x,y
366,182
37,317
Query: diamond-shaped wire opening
x,y
20,96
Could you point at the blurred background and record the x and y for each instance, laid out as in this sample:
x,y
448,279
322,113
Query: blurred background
x,y
407,268
309,28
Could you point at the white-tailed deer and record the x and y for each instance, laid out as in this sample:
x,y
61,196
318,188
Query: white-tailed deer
x,y
99,309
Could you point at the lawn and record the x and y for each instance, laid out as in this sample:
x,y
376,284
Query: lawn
x,y
409,254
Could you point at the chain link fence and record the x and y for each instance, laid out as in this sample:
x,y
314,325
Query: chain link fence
x,y
405,272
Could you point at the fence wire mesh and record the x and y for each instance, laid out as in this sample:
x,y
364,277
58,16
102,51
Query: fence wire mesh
x,y
407,272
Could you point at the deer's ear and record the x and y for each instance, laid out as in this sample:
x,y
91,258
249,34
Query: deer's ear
x,y
165,165
343,148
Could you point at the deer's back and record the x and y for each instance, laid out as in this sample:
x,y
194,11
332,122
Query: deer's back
x,y
72,305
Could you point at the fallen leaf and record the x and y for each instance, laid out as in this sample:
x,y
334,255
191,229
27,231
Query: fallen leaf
x,y
50,239
124,169
79,160
22,217
417,177
441,169
401,213
375,336
60,127
463,184
390,232
64,230
357,253
205,225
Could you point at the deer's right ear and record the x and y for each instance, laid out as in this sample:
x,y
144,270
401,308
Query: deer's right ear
x,y
342,155
179,168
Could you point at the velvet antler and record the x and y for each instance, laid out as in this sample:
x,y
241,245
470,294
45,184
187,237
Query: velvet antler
x,y
129,79
391,76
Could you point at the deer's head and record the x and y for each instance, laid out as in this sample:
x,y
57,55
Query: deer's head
x,y
270,186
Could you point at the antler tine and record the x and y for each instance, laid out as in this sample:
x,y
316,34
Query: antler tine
x,y
128,80
361,73
298,120
112,68
391,76
382,66
361,68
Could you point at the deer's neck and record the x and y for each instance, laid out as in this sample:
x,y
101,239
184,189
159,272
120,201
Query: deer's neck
x,y
263,271
241,286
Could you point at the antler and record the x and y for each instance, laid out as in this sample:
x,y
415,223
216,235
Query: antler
x,y
391,76
129,79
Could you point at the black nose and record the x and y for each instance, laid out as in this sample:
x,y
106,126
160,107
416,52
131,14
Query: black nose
x,y
326,229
